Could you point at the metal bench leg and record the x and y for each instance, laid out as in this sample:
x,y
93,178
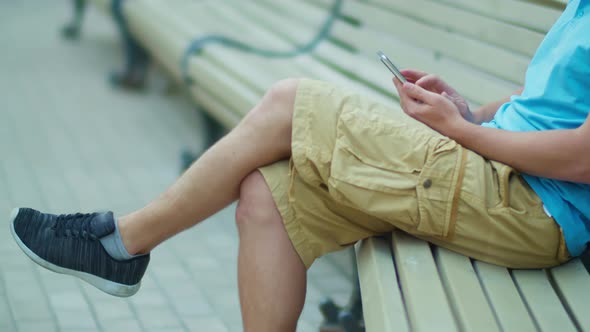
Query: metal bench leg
x,y
348,318
136,57
586,260
72,30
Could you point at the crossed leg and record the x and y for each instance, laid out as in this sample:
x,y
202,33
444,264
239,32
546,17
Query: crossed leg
x,y
272,277
213,181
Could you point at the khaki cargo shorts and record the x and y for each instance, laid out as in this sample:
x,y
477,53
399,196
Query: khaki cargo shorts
x,y
359,168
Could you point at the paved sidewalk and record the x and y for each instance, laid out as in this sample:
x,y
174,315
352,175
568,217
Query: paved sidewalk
x,y
70,142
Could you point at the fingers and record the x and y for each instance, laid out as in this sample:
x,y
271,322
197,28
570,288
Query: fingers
x,y
419,94
433,83
413,75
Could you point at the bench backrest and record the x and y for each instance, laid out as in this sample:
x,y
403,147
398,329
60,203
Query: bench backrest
x,y
480,47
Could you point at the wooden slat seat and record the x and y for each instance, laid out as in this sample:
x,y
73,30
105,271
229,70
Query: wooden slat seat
x,y
480,47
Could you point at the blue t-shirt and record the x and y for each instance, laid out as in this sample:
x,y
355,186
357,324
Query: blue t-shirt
x,y
557,96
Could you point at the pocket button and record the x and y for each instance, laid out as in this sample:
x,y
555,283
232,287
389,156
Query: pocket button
x,y
427,184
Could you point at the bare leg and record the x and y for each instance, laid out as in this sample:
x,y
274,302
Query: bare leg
x,y
271,276
213,181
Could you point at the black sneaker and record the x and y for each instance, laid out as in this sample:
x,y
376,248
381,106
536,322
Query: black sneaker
x,y
70,244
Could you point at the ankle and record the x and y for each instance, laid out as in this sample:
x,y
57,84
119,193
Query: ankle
x,y
125,232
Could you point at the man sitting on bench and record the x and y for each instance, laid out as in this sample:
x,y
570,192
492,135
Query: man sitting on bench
x,y
317,168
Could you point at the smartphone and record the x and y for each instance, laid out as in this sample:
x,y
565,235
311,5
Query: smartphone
x,y
392,68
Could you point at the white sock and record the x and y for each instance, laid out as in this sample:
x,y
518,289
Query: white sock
x,y
113,244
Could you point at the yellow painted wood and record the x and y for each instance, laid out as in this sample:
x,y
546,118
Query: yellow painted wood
x,y
473,84
502,294
467,298
532,15
301,66
326,51
572,282
426,301
542,301
480,55
383,305
458,21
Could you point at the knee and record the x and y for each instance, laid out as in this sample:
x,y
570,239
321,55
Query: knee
x,y
256,206
278,101
282,91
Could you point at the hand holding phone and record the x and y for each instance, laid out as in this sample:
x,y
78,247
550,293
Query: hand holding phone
x,y
392,68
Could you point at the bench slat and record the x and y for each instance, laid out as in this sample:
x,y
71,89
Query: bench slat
x,y
168,46
325,51
527,14
383,304
459,21
426,302
510,311
464,291
541,300
307,66
499,62
475,85
572,283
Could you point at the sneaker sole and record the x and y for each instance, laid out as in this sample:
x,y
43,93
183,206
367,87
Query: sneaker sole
x,y
104,285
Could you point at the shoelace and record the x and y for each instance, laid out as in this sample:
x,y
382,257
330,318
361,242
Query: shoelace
x,y
74,225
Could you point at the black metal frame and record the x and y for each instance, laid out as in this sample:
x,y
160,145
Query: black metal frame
x,y
350,317
134,74
72,29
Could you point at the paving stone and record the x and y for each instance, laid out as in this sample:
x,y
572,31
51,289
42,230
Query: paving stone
x,y
155,318
127,325
79,319
182,288
167,330
31,309
115,309
306,326
192,306
331,283
210,324
149,298
36,326
6,321
236,327
71,300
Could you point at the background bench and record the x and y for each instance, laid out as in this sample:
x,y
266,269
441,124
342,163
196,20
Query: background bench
x,y
480,47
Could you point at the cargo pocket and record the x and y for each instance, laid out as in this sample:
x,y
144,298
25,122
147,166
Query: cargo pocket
x,y
359,182
399,173
514,194
439,189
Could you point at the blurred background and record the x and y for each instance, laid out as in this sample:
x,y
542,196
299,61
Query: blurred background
x,y
70,142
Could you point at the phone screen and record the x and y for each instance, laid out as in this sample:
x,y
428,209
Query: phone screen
x,y
392,68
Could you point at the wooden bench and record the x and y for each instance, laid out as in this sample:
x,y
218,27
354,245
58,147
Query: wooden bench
x,y
480,47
